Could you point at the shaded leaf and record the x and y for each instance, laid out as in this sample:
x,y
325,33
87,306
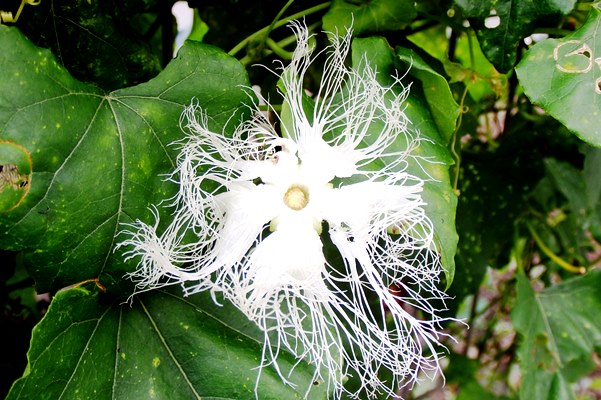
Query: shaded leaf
x,y
97,158
162,346
493,194
501,24
569,212
368,16
592,166
592,183
569,181
560,330
104,42
564,77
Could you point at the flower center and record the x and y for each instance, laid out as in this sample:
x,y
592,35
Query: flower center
x,y
296,197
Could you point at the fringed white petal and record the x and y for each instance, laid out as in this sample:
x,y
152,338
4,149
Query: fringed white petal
x,y
248,217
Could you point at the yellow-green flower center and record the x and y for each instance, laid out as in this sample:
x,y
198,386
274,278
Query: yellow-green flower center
x,y
296,197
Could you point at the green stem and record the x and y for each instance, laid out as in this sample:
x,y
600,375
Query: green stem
x,y
280,46
454,143
277,24
274,107
286,55
471,49
277,17
554,257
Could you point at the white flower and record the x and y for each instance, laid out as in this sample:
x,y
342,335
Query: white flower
x,y
256,203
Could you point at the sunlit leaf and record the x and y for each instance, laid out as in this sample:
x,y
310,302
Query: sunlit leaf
x,y
564,77
436,90
97,157
162,346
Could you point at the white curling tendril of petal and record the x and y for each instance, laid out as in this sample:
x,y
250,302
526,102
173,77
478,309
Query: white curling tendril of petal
x,y
231,189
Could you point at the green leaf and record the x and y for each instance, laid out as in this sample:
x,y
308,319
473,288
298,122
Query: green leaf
x,y
438,194
442,104
462,372
97,158
102,42
560,329
569,181
15,174
592,183
161,346
570,221
368,16
492,194
592,166
501,24
563,76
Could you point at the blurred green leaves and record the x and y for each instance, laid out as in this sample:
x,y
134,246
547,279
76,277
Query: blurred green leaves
x,y
560,330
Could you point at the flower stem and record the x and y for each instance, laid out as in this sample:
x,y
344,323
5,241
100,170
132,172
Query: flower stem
x,y
554,257
274,25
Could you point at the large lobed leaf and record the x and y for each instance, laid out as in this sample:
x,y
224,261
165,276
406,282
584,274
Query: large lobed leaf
x,y
564,77
163,346
97,158
560,330
93,161
501,24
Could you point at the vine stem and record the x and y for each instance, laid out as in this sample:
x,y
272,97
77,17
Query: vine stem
x,y
554,257
462,110
96,282
277,17
278,48
454,153
276,24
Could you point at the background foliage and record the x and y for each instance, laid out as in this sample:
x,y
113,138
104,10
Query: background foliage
x,y
508,92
